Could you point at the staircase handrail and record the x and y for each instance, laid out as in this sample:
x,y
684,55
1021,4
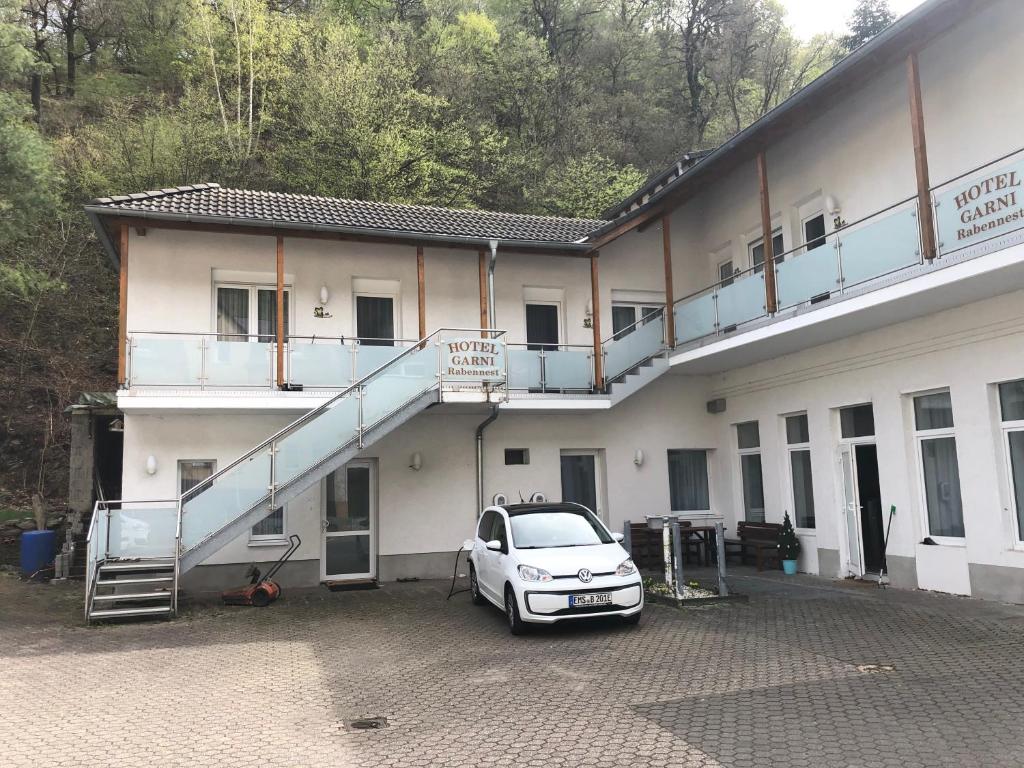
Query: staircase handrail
x,y
288,429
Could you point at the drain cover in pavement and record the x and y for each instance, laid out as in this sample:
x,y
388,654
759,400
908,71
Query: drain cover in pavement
x,y
368,723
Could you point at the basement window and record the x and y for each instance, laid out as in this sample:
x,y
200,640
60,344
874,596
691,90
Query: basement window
x,y
517,456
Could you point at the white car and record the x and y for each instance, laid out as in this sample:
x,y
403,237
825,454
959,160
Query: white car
x,y
543,563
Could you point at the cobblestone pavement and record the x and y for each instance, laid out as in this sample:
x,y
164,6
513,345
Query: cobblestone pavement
x,y
807,673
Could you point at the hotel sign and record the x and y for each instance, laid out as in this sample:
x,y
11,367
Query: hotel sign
x,y
982,208
472,359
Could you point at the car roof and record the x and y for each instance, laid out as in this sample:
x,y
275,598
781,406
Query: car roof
x,y
527,509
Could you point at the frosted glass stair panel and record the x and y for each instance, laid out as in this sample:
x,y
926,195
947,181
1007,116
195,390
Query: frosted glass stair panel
x,y
626,352
215,505
695,317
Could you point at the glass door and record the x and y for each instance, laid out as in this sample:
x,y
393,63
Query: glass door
x,y
851,511
580,481
349,524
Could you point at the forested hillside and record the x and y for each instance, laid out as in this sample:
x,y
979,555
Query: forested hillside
x,y
544,106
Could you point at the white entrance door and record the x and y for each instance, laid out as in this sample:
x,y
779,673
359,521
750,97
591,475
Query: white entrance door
x,y
349,523
851,511
582,479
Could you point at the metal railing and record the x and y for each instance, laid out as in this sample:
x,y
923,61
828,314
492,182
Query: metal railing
x,y
550,367
142,530
634,345
877,245
256,477
204,360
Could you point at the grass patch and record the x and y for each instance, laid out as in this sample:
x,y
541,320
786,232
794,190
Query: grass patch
x,y
13,514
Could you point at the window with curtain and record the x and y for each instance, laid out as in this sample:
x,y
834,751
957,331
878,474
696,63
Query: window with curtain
x,y
245,310
375,320
940,471
191,472
798,443
1011,414
270,527
688,480
756,249
748,438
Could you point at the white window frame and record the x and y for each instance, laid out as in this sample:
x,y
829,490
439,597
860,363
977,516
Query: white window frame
x,y
270,539
707,468
740,453
758,240
919,436
638,308
254,316
383,293
557,304
211,462
1006,428
803,229
790,449
721,281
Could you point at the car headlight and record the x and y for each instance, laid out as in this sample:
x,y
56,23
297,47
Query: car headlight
x,y
626,567
529,573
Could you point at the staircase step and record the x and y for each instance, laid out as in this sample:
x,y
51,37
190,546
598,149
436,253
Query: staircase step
x,y
136,565
158,595
110,613
121,582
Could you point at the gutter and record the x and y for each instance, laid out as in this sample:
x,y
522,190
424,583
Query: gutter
x,y
95,211
480,458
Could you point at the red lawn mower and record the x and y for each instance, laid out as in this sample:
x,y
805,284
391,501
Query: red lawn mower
x,y
261,591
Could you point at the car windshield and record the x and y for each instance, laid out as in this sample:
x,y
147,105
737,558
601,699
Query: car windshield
x,y
544,530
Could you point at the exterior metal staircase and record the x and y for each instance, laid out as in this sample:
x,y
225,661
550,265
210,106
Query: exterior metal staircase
x,y
138,550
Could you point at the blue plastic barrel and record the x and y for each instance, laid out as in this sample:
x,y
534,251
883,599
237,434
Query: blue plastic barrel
x,y
38,549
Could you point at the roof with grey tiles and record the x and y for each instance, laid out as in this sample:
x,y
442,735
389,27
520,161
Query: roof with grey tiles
x,y
211,202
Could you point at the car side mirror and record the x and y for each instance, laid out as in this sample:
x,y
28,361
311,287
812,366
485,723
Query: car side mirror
x,y
494,545
619,537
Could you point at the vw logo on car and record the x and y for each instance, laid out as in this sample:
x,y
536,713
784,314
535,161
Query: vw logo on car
x,y
585,575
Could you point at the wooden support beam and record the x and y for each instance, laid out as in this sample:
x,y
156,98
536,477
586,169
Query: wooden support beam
x,y
484,311
122,310
421,291
666,246
595,298
924,202
280,311
771,302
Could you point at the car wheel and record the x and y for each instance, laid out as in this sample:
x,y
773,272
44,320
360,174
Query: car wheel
x,y
474,588
515,624
632,621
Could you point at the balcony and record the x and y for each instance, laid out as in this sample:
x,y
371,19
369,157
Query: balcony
x,y
864,275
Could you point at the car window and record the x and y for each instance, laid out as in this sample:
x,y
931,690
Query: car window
x,y
542,530
499,532
486,524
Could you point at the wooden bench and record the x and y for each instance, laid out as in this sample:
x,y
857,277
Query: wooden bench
x,y
647,547
757,541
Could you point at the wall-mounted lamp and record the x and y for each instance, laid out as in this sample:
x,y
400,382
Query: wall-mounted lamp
x,y
832,206
325,296
416,461
638,457
151,465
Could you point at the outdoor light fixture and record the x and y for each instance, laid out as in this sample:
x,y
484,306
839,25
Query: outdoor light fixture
x,y
638,457
324,294
151,465
588,314
416,461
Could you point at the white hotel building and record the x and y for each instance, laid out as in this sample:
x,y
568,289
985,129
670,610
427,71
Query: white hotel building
x,y
651,362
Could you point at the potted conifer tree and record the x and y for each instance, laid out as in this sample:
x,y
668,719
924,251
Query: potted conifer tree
x,y
789,546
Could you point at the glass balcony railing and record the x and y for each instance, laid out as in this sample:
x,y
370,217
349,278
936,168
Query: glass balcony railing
x,y
879,245
561,368
634,345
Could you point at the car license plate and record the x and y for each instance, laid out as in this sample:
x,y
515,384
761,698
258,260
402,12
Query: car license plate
x,y
603,598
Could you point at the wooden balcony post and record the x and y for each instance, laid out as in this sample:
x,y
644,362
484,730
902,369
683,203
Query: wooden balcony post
x,y
484,312
280,311
771,302
595,300
122,310
421,291
924,202
670,323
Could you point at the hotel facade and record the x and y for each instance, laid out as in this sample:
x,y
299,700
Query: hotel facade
x,y
823,317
